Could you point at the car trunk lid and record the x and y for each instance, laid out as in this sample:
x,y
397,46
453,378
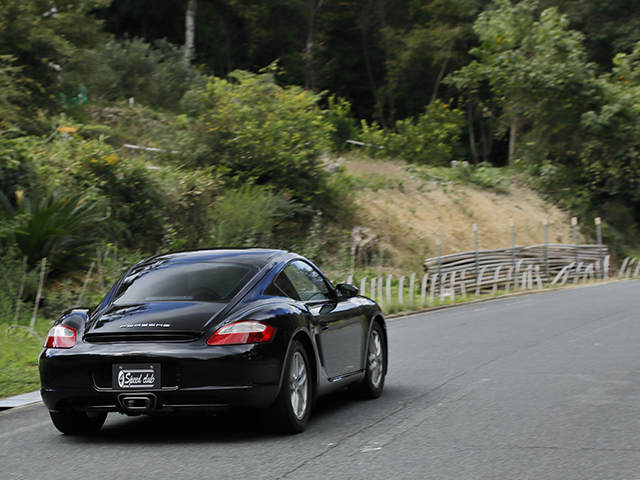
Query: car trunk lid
x,y
168,321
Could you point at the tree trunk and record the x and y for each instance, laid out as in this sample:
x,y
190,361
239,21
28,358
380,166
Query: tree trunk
x,y
190,29
513,134
372,83
387,54
486,130
311,79
472,135
434,95
223,8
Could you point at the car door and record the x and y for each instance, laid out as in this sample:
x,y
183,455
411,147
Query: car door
x,y
341,326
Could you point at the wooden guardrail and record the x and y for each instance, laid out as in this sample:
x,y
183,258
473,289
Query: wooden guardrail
x,y
487,271
551,259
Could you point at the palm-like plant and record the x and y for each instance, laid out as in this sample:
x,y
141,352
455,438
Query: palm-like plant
x,y
56,226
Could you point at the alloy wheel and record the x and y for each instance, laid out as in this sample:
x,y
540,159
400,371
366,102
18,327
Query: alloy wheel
x,y
299,385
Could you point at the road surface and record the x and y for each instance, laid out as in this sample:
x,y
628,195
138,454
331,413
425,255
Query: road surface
x,y
544,386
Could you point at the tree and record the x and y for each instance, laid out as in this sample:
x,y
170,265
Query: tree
x,y
261,133
311,80
609,26
190,31
43,36
538,76
610,154
426,40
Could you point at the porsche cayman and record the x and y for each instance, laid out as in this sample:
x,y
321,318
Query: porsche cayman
x,y
209,330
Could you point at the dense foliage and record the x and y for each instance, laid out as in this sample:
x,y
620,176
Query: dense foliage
x,y
570,129
259,133
153,74
237,136
433,138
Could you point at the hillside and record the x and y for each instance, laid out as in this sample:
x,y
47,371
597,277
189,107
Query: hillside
x,y
408,213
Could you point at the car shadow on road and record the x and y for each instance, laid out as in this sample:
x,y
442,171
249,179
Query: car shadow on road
x,y
233,426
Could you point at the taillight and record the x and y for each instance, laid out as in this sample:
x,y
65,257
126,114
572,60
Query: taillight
x,y
241,333
61,336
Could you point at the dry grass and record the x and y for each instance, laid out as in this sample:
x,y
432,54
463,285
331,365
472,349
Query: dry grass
x,y
408,213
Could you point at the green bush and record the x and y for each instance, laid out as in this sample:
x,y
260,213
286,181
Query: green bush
x,y
134,197
57,227
189,196
13,97
144,207
129,194
120,125
344,126
152,74
431,139
483,175
260,133
244,218
16,166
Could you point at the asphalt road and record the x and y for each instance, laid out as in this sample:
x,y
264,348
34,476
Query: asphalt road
x,y
544,386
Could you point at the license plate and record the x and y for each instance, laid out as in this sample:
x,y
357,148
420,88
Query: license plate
x,y
136,376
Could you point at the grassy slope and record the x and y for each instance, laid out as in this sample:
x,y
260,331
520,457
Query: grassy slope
x,y
19,352
410,208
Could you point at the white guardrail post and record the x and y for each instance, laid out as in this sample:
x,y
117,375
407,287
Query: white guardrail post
x,y
412,285
423,289
373,289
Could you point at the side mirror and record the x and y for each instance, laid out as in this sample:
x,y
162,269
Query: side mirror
x,y
346,291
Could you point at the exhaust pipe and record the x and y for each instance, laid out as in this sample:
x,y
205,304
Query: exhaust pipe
x,y
135,404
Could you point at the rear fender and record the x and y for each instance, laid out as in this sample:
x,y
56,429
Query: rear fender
x,y
303,336
75,318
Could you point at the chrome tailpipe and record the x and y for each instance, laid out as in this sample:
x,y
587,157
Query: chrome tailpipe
x,y
136,404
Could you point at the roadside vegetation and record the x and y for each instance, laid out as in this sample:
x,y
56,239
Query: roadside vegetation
x,y
117,144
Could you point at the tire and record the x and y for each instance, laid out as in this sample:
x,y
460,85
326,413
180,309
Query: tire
x,y
78,423
376,366
291,409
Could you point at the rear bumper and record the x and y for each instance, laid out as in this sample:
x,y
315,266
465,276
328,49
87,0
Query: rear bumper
x,y
193,377
203,400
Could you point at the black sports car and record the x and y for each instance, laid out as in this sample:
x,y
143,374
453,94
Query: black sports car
x,y
212,329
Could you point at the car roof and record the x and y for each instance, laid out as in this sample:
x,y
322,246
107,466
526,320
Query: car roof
x,y
257,257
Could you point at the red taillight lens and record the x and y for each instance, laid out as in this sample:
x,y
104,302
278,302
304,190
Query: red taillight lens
x,y
241,333
61,336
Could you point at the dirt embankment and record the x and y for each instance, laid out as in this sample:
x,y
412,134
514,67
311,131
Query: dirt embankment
x,y
409,213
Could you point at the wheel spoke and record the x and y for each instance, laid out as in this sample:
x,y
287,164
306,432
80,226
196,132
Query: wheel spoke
x,y
376,359
298,385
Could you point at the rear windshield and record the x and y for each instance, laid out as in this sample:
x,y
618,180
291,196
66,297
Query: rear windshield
x,y
176,282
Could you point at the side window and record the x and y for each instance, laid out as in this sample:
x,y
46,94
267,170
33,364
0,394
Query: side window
x,y
281,287
283,283
307,282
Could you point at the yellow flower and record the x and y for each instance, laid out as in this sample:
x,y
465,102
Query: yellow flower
x,y
67,129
